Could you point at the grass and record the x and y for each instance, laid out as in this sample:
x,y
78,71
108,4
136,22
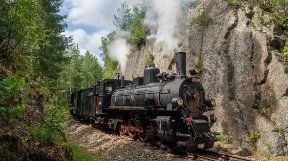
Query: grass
x,y
80,155
224,138
254,135
268,151
202,19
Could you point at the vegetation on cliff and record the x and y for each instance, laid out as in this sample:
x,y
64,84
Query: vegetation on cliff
x,y
267,11
127,20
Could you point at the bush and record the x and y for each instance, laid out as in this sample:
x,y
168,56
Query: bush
x,y
148,59
224,138
202,19
54,128
45,136
198,64
254,135
258,16
11,97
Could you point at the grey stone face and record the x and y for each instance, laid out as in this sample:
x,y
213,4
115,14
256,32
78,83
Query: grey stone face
x,y
240,71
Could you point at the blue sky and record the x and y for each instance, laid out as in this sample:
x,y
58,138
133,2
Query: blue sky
x,y
88,21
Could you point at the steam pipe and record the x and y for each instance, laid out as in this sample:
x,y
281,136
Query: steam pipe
x,y
181,63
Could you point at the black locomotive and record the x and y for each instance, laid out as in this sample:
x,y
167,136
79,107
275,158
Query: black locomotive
x,y
164,108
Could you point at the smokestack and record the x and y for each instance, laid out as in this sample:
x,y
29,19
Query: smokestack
x,y
181,63
122,81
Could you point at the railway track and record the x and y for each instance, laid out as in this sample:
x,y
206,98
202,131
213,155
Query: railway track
x,y
206,155
131,146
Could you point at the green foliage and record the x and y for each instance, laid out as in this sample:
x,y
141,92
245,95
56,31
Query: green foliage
x,y
31,41
233,2
266,11
282,132
263,106
44,135
49,57
137,29
20,21
285,49
243,100
198,64
265,111
254,135
268,151
258,16
91,70
223,138
53,129
11,97
148,59
81,155
124,17
109,64
80,72
20,33
202,19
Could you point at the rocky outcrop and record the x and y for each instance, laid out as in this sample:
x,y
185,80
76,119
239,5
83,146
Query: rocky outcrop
x,y
240,71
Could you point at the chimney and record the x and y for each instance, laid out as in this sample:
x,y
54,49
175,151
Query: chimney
x,y
181,64
122,81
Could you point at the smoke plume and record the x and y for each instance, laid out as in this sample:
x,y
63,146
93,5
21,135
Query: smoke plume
x,y
119,49
163,16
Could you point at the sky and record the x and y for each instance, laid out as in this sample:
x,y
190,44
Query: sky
x,y
88,21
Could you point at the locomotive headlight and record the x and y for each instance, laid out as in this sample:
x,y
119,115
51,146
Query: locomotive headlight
x,y
180,101
177,101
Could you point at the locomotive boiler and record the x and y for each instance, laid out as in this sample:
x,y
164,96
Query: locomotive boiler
x,y
165,108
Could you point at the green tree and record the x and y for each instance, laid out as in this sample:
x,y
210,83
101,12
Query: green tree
x,y
137,28
75,70
91,70
123,18
20,32
109,64
49,58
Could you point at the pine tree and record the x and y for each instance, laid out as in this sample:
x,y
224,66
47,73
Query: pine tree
x,y
49,59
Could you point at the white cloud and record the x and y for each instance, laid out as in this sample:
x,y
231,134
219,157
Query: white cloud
x,y
95,13
88,42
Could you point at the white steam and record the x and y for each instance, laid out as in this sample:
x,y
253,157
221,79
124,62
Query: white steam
x,y
163,16
119,49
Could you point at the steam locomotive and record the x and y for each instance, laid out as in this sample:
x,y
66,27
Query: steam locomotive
x,y
160,107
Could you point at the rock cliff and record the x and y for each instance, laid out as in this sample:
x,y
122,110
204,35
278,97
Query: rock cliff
x,y
240,70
